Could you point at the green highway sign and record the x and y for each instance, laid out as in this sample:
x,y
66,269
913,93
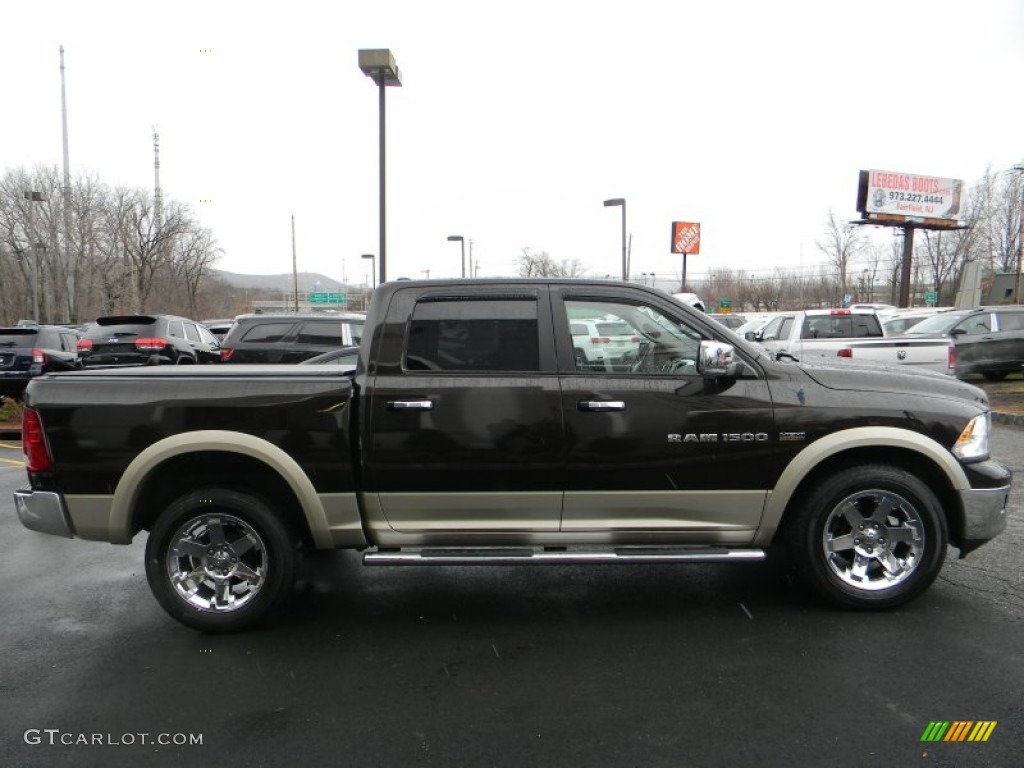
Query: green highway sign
x,y
931,297
323,297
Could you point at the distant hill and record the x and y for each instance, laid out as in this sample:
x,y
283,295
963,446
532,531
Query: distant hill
x,y
282,282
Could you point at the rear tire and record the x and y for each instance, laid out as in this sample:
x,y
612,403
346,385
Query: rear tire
x,y
869,537
219,560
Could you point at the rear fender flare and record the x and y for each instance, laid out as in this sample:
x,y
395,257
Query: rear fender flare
x,y
126,495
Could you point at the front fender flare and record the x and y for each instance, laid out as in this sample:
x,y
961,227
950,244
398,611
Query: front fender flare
x,y
860,437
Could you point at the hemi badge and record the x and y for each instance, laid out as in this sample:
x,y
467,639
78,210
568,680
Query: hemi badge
x,y
792,437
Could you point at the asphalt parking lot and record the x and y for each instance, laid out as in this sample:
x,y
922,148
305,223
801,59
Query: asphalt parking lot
x,y
647,666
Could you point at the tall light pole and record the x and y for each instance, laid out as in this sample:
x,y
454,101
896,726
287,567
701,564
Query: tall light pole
x,y
1020,243
379,65
619,201
373,266
461,240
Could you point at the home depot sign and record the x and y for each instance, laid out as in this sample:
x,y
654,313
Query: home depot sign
x,y
685,237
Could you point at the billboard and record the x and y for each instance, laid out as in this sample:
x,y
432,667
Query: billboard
x,y
908,195
685,237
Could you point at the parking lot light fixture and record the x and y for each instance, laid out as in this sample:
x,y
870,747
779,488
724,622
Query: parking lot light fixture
x,y
621,202
379,65
461,240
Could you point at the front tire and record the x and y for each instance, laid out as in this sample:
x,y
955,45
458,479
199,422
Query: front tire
x,y
220,560
868,537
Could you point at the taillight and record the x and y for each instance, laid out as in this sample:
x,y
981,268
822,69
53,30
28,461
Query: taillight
x,y
226,353
952,357
33,442
84,345
635,340
38,356
150,345
845,352
600,340
840,312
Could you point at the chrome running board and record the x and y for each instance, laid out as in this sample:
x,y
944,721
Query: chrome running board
x,y
540,556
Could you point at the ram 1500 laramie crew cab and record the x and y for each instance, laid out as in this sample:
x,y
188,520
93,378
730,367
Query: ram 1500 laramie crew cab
x,y
471,432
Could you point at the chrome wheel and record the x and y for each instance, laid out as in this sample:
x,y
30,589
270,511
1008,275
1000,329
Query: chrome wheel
x,y
873,539
216,562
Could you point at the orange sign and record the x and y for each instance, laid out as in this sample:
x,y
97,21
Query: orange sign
x,y
685,237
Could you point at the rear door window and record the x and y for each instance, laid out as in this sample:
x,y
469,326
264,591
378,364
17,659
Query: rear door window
x,y
1011,321
473,335
321,333
267,333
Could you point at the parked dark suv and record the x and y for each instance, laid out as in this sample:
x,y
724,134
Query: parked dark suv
x,y
28,351
120,340
988,340
289,337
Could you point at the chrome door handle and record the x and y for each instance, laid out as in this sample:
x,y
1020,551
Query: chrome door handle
x,y
410,405
601,405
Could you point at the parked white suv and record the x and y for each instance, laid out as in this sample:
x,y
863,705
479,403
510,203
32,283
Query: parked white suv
x,y
604,345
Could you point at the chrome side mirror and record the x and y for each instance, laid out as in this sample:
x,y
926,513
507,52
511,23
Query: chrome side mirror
x,y
716,358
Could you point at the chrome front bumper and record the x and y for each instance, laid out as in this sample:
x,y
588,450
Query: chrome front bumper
x,y
984,515
43,511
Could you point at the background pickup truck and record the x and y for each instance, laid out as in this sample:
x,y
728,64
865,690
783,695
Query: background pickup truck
x,y
472,432
854,334
818,331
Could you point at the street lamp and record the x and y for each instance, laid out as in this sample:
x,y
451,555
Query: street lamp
x,y
462,241
618,201
379,65
373,266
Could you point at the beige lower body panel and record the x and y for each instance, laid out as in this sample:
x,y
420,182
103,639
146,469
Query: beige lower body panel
x,y
557,519
494,512
91,518
720,511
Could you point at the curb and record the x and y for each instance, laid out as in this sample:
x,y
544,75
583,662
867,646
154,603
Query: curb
x,y
1014,419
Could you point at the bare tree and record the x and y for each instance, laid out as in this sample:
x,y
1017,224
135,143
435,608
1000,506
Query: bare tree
x,y
193,257
840,244
533,264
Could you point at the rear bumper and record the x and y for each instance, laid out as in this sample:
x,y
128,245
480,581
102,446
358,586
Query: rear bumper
x,y
43,511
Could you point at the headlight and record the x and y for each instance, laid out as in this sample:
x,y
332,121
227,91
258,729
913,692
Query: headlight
x,y
972,445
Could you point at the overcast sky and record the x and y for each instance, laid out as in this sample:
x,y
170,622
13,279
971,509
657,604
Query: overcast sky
x,y
516,120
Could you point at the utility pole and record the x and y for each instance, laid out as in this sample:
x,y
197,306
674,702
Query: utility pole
x,y
70,305
295,267
1020,239
158,195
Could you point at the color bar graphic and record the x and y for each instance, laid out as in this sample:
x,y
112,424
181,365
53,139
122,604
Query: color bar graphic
x,y
958,730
